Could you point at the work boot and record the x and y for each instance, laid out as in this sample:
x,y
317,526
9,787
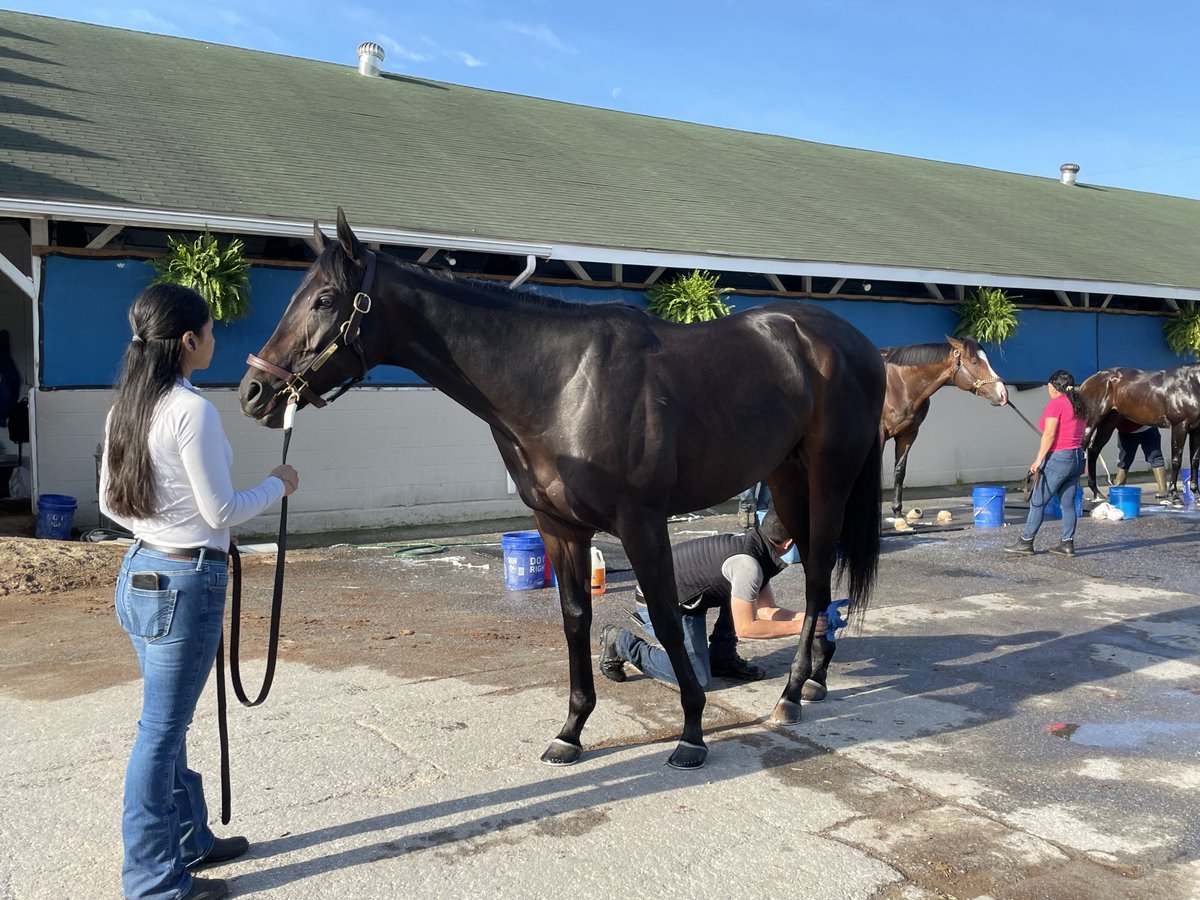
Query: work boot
x,y
207,889
1160,479
745,514
1022,546
223,850
612,666
738,669
1064,548
1122,474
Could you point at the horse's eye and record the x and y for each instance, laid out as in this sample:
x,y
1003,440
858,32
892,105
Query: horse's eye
x,y
324,302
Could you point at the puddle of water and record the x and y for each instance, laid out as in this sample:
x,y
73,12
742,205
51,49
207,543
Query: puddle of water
x,y
1123,735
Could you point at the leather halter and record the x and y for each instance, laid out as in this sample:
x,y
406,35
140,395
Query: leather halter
x,y
295,385
978,382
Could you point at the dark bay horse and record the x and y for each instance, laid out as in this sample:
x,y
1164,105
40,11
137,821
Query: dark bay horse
x,y
1164,398
914,373
610,419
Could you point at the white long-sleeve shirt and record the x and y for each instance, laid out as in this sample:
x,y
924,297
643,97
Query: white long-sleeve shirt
x,y
194,495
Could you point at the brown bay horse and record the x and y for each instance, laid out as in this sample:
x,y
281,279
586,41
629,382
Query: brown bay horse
x,y
610,419
1163,398
914,373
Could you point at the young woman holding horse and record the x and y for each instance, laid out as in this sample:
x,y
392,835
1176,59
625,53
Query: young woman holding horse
x,y
610,419
1058,463
165,477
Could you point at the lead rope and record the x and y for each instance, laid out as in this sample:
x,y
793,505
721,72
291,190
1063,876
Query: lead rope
x,y
1104,465
289,417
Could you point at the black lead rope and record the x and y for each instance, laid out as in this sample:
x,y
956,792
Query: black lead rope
x,y
1032,427
235,638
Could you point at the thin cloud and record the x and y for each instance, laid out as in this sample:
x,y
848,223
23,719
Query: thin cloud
x,y
616,92
540,33
394,46
469,61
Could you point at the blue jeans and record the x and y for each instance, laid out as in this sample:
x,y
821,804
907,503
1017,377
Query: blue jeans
x,y
174,631
653,661
1059,479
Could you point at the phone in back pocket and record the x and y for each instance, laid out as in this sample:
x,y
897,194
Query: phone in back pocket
x,y
145,581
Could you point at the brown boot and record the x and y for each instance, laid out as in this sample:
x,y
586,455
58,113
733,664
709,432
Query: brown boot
x,y
1122,474
1160,478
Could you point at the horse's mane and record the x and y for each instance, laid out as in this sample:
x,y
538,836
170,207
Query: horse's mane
x,y
923,354
336,267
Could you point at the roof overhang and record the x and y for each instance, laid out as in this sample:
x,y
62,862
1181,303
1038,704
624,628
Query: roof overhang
x,y
162,218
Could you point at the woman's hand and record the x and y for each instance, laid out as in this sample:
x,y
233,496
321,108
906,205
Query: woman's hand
x,y
290,478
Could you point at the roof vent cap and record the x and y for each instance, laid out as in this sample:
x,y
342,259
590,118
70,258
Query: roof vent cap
x,y
370,58
1067,173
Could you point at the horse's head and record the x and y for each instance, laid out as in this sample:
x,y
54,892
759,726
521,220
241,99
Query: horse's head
x,y
317,345
974,372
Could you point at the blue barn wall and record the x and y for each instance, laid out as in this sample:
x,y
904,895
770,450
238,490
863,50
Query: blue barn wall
x,y
85,302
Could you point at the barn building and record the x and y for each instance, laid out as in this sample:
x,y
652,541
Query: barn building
x,y
111,141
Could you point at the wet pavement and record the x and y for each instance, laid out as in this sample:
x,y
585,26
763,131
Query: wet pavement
x,y
1003,727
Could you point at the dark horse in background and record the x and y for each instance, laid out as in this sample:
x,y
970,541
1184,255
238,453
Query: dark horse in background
x,y
610,419
1164,398
914,373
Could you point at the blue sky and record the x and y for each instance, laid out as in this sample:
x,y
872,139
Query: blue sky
x,y
1007,84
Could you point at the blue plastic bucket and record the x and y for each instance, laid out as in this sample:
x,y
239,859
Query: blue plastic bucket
x,y
524,560
55,515
989,506
1189,498
1054,507
1126,498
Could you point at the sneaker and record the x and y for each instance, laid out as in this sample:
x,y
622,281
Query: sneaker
x,y
1021,546
223,850
1065,548
737,669
612,666
207,889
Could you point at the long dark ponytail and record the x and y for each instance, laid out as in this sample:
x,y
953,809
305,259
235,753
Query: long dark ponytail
x,y
1064,382
160,316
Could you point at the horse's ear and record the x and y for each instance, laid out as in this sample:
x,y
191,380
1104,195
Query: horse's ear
x,y
319,239
350,244
954,342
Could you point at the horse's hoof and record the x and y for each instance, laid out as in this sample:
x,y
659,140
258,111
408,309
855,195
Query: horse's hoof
x,y
786,713
562,753
813,692
688,756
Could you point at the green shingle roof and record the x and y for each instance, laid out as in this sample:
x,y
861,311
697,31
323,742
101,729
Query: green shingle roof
x,y
101,115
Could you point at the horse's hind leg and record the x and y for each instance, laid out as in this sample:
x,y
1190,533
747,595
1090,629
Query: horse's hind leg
x,y
648,547
1100,437
569,550
1179,435
1194,443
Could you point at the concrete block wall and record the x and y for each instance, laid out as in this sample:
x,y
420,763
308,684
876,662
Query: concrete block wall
x,y
393,456
372,459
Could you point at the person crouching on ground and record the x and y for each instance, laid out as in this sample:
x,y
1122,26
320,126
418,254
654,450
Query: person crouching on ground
x,y
727,572
1061,454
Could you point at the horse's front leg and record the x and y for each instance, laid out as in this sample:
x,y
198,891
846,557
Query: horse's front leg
x,y
1104,431
648,547
904,442
569,550
1179,435
1194,443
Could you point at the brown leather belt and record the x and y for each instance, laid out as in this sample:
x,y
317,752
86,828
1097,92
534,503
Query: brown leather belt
x,y
210,555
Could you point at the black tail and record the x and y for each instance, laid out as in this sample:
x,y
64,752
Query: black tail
x,y
859,555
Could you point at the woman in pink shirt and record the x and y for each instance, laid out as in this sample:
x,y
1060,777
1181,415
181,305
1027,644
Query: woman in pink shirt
x,y
1060,457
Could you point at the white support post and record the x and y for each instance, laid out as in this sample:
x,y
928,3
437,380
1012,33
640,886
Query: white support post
x,y
1172,305
960,292
618,273
776,283
579,270
1087,300
837,286
1107,300
39,236
806,283
17,277
429,254
1063,298
102,239
934,290
654,276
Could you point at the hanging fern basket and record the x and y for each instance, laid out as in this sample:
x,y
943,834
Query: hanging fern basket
x,y
690,298
1182,331
219,274
988,315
